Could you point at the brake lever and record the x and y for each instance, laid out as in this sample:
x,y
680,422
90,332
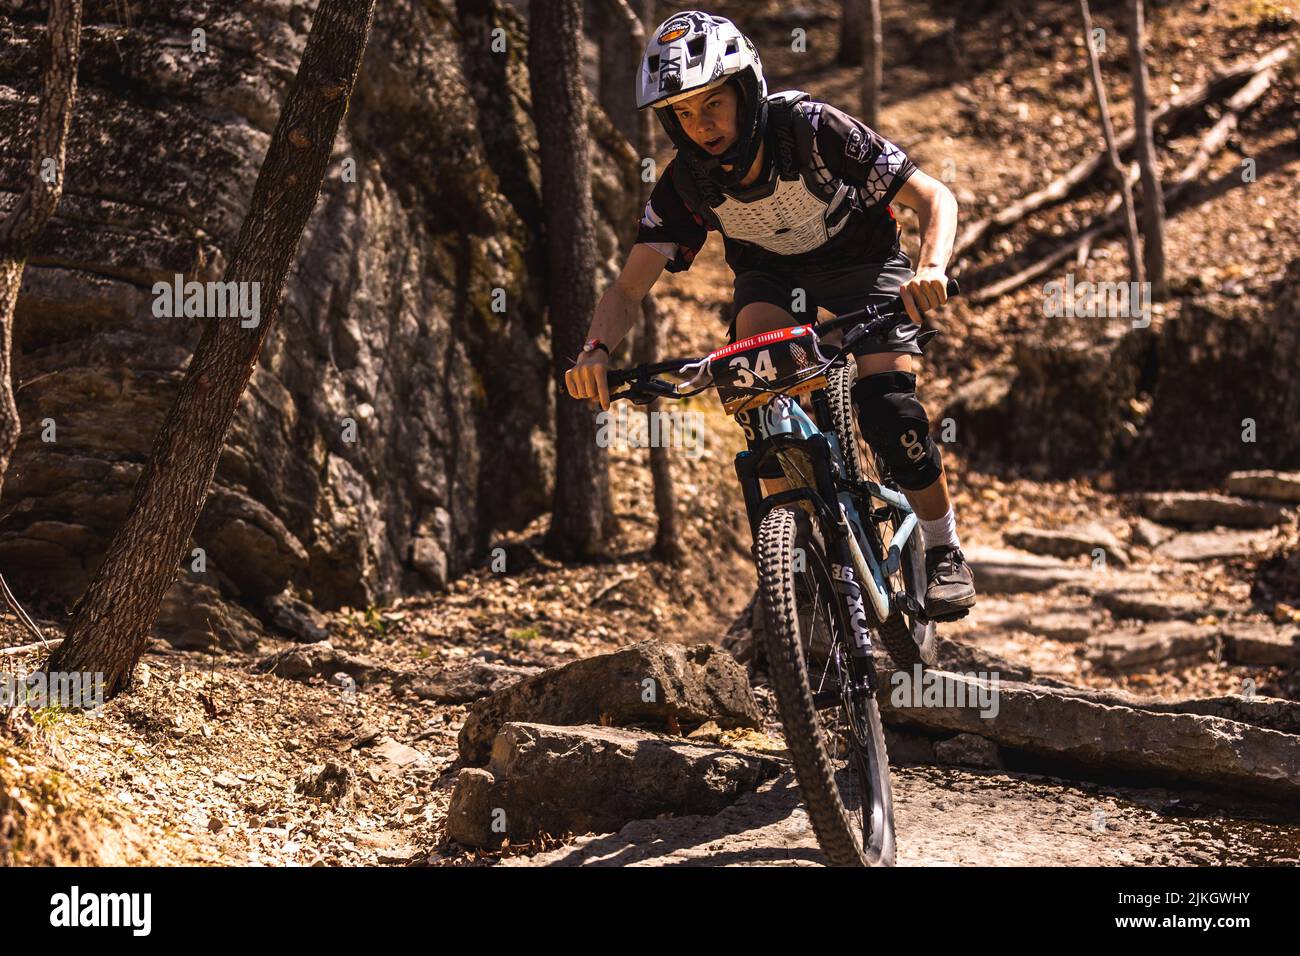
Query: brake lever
x,y
645,392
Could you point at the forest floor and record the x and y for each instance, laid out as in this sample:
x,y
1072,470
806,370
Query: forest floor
x,y
199,762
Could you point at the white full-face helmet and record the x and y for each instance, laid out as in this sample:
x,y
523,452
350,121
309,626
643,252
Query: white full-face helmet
x,y
691,52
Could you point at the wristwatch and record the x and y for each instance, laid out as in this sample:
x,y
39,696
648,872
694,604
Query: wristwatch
x,y
593,344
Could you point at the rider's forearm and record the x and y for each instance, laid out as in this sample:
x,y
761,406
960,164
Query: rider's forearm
x,y
938,222
615,314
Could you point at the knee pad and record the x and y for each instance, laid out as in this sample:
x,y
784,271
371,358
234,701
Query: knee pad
x,y
895,425
748,422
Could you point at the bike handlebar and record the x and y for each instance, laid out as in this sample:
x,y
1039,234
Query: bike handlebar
x,y
872,319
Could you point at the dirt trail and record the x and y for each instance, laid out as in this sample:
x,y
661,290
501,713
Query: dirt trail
x,y
947,816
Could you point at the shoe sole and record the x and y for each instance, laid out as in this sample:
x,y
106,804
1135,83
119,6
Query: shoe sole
x,y
951,610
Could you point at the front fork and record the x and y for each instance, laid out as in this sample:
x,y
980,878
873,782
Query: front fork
x,y
836,532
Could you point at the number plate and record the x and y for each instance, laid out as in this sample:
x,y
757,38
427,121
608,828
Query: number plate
x,y
788,355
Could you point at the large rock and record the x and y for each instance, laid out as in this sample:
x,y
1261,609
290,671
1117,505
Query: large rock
x,y
1271,713
1005,571
1274,485
462,683
1056,407
1194,546
1261,644
1277,576
1181,748
1173,643
1069,542
650,683
1152,605
1207,510
322,659
193,616
1208,388
430,208
557,780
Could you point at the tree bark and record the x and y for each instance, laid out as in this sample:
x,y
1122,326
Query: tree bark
x,y
637,126
873,68
113,619
622,41
560,112
1153,204
668,546
1108,131
851,32
37,202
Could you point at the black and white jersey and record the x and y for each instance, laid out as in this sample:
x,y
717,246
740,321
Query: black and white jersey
x,y
833,213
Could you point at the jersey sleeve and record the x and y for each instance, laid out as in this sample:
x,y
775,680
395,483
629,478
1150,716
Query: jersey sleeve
x,y
670,227
847,148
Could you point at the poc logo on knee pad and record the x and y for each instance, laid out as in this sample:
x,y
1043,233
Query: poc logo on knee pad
x,y
912,443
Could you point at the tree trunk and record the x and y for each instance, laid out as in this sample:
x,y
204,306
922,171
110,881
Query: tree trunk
x,y
1108,131
622,41
638,126
560,112
111,626
668,545
1153,203
873,67
36,203
851,32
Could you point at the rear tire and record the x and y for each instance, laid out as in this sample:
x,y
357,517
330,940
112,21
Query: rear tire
x,y
908,640
844,775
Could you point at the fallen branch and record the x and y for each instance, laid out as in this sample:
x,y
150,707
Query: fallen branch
x,y
1061,187
1109,220
24,648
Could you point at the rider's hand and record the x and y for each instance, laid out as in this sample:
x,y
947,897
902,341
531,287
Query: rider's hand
x,y
926,290
587,378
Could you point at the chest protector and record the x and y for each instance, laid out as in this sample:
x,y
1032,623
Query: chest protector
x,y
789,217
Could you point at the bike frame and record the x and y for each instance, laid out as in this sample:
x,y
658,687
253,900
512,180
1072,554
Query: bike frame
x,y
789,427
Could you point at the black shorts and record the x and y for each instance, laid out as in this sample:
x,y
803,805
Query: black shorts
x,y
838,290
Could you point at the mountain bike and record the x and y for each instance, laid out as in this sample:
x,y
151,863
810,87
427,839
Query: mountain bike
x,y
839,558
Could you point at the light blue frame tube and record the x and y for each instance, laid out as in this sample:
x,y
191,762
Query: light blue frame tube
x,y
798,422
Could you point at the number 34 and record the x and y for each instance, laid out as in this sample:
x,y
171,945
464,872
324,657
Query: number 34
x,y
763,368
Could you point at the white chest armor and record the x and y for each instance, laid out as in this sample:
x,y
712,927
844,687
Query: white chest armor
x,y
789,221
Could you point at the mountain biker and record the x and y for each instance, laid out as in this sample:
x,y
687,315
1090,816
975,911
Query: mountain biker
x,y
800,192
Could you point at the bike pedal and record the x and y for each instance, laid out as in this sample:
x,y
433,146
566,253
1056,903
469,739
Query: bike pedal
x,y
950,616
912,606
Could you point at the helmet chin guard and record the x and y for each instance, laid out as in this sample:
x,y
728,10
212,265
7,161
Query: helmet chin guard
x,y
692,52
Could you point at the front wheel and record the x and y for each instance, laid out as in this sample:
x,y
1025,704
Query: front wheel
x,y
833,731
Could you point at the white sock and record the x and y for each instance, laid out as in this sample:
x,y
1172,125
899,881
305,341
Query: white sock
x,y
939,531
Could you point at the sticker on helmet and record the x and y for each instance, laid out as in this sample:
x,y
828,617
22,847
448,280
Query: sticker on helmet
x,y
668,36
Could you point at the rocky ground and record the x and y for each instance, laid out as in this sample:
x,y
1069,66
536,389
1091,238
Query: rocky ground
x,y
346,753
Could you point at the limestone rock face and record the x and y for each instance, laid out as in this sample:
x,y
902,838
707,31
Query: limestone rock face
x,y
401,407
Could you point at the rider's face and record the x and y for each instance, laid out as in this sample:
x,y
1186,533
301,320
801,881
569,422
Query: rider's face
x,y
709,118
